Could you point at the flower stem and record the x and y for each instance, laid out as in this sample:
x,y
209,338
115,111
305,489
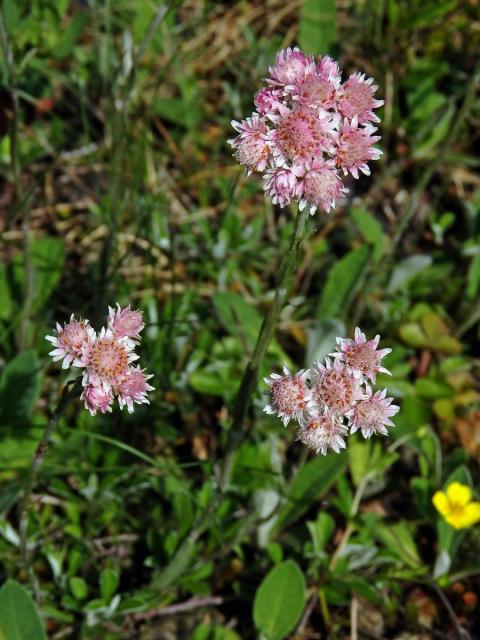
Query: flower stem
x,y
37,460
182,557
287,269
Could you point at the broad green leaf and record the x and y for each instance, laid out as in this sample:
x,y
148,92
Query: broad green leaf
x,y
342,281
318,26
18,388
18,617
279,601
312,481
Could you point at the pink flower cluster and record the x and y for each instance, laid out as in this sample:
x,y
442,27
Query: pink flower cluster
x,y
309,127
106,357
335,399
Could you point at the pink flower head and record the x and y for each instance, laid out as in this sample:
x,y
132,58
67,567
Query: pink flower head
x,y
355,148
282,184
372,415
290,66
268,101
317,89
69,340
125,323
323,431
356,98
302,134
322,186
335,387
362,355
97,399
308,124
252,149
107,360
289,395
133,388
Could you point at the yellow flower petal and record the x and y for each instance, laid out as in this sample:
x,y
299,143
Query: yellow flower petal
x,y
440,502
459,494
471,514
455,519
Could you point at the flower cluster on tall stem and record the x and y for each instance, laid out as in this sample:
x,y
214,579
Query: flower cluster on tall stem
x,y
334,399
107,359
309,130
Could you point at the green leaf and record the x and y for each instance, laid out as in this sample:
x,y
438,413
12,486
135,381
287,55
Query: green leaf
x,y
18,617
413,335
70,35
407,269
321,530
371,230
11,14
312,481
21,373
363,456
78,587
474,276
279,601
400,542
460,474
433,389
5,297
47,258
342,280
321,339
108,584
237,316
318,26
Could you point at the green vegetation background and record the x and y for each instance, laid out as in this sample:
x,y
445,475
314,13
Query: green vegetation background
x,y
121,187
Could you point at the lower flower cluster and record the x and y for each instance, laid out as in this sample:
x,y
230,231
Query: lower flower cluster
x,y
106,358
334,399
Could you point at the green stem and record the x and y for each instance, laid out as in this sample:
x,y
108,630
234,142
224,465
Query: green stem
x,y
37,460
287,270
288,264
350,528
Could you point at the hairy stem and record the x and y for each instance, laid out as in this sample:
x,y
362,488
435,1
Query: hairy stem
x,y
288,264
350,528
37,460
287,269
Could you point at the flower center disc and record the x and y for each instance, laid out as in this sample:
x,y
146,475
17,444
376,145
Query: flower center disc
x,y
107,358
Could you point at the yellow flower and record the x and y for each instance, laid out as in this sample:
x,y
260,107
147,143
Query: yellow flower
x,y
456,506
